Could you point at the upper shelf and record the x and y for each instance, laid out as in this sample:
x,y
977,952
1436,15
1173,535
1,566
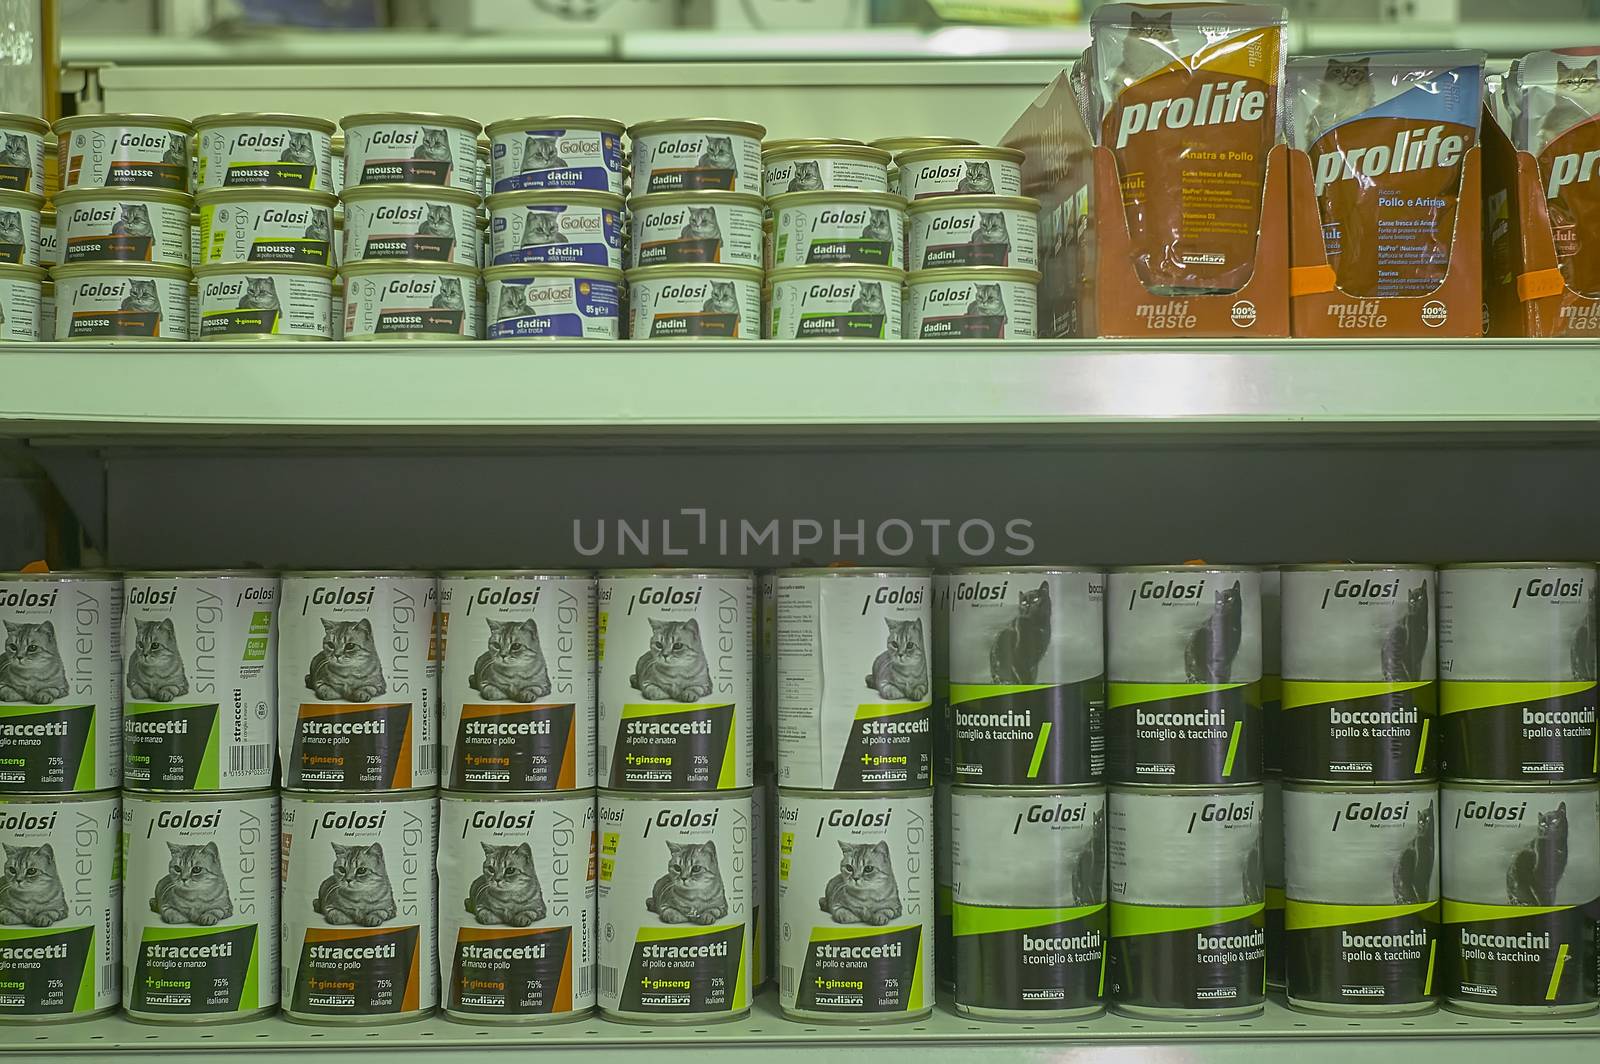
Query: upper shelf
x,y
780,388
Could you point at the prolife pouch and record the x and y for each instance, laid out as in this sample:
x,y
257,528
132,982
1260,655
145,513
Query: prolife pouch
x,y
1558,123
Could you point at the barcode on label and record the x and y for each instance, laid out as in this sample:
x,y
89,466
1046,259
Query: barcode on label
x,y
586,980
786,980
111,976
254,759
608,980
427,758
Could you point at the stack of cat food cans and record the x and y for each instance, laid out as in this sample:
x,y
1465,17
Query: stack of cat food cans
x,y
855,826
679,830
25,251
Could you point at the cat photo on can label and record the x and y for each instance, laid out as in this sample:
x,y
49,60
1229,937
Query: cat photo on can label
x,y
299,149
1583,642
30,888
347,668
1346,90
1019,647
1536,869
1208,655
987,302
436,221
358,890
133,219
1406,644
691,891
1414,877
449,297
194,890
724,299
432,144
11,228
869,298
177,153
674,668
318,229
31,669
1252,880
702,225
260,293
542,153
877,227
155,666
991,230
1089,866
807,177
513,668
900,671
15,152
718,154
507,892
541,227
864,891
142,297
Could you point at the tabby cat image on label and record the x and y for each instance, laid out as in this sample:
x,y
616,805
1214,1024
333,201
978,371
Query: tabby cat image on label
x,y
359,907
200,907
519,680
1558,105
199,681
60,682
411,149
1359,695
1521,898
1517,672
21,221
517,906
1188,896
676,905
855,687
1362,886
1030,901
1272,872
676,663
1183,657
114,151
22,153
855,905
1027,676
358,681
60,907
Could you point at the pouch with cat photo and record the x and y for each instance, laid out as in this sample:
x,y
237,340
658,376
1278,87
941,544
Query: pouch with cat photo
x,y
1388,133
1186,97
1558,123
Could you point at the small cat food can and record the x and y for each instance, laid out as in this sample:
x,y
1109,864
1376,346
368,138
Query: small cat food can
x,y
556,152
60,907
410,222
676,906
406,300
358,681
199,688
116,151
676,679
1188,934
855,906
898,146
671,228
1517,672
517,906
399,148
976,303
1521,885
266,225
1361,885
838,228
573,228
253,150
264,301
132,224
60,682
815,165
960,170
537,302
1183,670
1359,699
684,154
518,681
360,907
694,303
961,231
21,219
835,303
22,160
121,301
22,309
1030,901
854,690
200,932
944,886
1027,687
49,240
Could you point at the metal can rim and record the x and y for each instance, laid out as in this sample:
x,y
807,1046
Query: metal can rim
x,y
199,796
116,266
1185,567
361,574
68,196
898,146
514,574
24,199
369,118
272,118
672,574
797,199
87,575
996,570
800,273
27,123
1357,567
305,269
850,570
709,195
578,794
785,143
730,270
529,197
37,273
945,274
752,130
826,149
365,266
602,793
851,796
172,574
1518,565
602,125
539,269
959,151
168,122
106,795
430,794
930,204
1185,790
208,196
1012,791
464,197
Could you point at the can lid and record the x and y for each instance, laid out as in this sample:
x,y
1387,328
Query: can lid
x,y
71,122
265,118
852,570
1185,567
96,575
235,194
28,123
543,122
806,273
948,274
725,270
1518,565
556,197
304,269
799,199
697,125
514,574
113,268
370,118
366,266
708,197
785,143
973,203
1356,567
673,574
958,151
1029,570
359,574
68,196
23,200
183,574
900,145
824,149
462,196
532,271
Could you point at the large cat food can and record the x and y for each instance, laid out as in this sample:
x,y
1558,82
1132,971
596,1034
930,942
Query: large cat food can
x,y
575,228
958,231
406,300
135,224
1362,897
1027,676
360,906
972,303
693,302
1273,875
855,906
1029,900
200,932
517,906
199,685
676,906
835,303
253,150
676,656
854,683
266,225
60,907
1272,669
22,159
358,681
114,151
1188,932
838,228
401,148
22,309
416,222
121,301
1183,670
1517,672
960,170
815,165
60,682
944,886
1359,697
264,301
556,152
1521,884
670,228
537,302
519,680
21,218
682,154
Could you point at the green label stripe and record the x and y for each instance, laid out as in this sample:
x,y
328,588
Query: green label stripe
x,y
1466,912
1039,746
1233,748
1422,748
1119,695
1128,920
1271,687
1433,950
1555,976
1307,915
634,710
873,710
1298,694
972,692
1460,696
1275,898
991,919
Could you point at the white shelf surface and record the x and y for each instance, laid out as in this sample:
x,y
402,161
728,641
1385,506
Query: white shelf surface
x,y
606,388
